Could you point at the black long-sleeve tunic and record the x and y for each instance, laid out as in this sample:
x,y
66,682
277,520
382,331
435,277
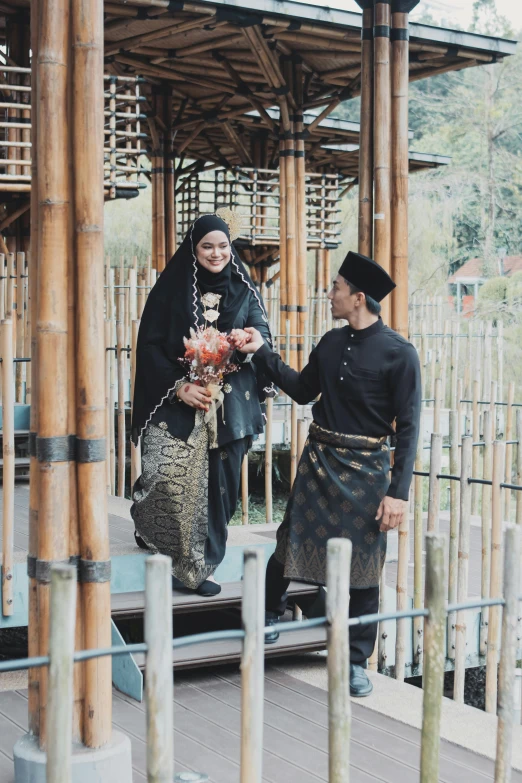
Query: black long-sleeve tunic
x,y
241,415
367,378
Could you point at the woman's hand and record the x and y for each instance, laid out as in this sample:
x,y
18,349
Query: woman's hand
x,y
195,396
238,338
255,341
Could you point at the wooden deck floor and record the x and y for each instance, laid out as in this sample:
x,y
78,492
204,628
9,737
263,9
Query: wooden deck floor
x,y
121,533
207,721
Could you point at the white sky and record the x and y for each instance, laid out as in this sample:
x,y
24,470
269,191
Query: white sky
x,y
459,11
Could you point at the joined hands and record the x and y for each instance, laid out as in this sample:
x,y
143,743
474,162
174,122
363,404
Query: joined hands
x,y
247,340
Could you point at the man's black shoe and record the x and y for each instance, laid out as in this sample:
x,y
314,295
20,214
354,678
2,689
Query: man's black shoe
x,y
271,619
360,685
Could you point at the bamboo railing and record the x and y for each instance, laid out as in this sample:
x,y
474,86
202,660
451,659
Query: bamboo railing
x,y
123,144
158,645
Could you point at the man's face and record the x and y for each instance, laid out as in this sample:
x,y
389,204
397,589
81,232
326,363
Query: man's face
x,y
342,302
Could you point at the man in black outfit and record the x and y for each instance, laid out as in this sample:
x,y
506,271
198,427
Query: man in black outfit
x,y
368,377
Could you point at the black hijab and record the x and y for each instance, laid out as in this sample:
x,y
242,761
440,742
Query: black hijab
x,y
172,308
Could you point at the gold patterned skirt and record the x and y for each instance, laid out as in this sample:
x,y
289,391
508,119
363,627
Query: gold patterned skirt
x,y
185,498
339,485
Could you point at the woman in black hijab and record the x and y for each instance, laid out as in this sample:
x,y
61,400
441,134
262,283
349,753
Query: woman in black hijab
x,y
188,490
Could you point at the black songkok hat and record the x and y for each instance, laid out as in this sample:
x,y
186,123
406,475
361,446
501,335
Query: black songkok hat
x,y
366,275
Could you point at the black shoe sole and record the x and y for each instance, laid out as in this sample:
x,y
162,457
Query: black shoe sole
x,y
360,694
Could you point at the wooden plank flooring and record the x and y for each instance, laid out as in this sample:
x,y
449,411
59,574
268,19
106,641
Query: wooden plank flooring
x,y
207,725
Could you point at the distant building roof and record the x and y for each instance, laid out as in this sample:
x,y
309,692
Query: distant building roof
x,y
472,269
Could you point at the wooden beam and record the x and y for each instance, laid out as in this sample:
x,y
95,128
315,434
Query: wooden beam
x,y
245,89
129,44
237,143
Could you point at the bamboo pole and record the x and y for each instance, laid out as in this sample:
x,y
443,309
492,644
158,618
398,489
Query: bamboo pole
x,y
381,135
244,490
402,596
444,363
61,666
418,623
454,433
252,667
476,454
463,568
33,646
88,121
54,197
293,443
487,360
135,450
437,405
301,213
499,453
399,171
518,429
383,634
170,182
120,299
500,359
454,369
433,677
508,656
20,325
486,529
109,410
268,459
365,242
509,449
159,686
291,244
434,483
283,264
339,553
8,471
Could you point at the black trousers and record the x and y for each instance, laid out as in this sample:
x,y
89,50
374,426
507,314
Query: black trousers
x,y
362,601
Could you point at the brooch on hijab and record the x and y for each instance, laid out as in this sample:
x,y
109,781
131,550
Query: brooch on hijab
x,y
233,220
210,300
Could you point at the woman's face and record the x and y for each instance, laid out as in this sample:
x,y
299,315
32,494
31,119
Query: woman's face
x,y
213,251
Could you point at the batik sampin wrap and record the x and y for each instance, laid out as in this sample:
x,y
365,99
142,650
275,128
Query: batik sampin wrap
x,y
208,356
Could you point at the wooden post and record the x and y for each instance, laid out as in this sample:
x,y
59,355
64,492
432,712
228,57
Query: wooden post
x,y
433,677
339,555
88,140
508,656
159,686
109,407
252,667
418,536
365,243
463,568
382,147
434,485
486,530
283,264
8,475
54,232
268,459
400,165
454,370
454,434
61,650
244,489
135,450
499,453
170,182
301,214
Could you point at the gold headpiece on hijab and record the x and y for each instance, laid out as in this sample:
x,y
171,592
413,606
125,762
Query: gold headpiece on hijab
x,y
233,220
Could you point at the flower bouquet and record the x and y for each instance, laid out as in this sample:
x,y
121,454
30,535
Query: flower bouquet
x,y
208,355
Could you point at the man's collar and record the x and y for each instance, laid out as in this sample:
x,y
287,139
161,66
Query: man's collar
x,y
362,334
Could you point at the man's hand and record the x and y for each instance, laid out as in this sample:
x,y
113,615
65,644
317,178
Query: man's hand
x,y
195,396
254,343
391,513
